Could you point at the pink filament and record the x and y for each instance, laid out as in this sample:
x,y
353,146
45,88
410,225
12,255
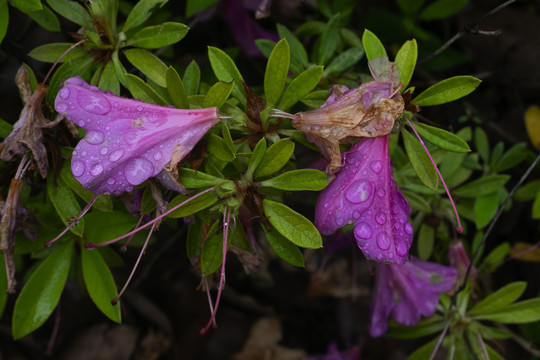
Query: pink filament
x,y
459,227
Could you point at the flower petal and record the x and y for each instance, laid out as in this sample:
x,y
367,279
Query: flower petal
x,y
128,141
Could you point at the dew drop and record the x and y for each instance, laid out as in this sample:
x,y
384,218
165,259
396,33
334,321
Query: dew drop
x,y
64,93
376,166
74,153
110,181
103,151
326,205
380,218
62,107
383,241
96,169
340,221
408,228
77,168
362,230
359,191
401,249
82,123
381,192
390,255
116,155
138,170
158,156
93,102
139,108
356,215
94,137
84,153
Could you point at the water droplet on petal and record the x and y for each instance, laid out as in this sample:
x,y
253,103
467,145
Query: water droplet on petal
x,y
362,230
94,137
93,103
408,228
139,108
103,151
381,192
84,153
116,155
110,181
64,93
401,248
77,168
340,221
383,241
138,170
96,169
356,215
359,191
158,156
62,107
82,123
376,166
380,218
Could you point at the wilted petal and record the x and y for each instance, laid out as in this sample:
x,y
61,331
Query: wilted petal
x,y
128,141
364,193
414,290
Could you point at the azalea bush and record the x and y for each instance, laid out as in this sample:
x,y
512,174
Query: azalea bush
x,y
322,152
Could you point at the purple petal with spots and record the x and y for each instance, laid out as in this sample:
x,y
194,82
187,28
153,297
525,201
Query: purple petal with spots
x,y
128,141
364,193
408,292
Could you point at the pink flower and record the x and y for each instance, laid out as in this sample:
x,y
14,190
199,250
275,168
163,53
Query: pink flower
x,y
364,193
408,291
128,141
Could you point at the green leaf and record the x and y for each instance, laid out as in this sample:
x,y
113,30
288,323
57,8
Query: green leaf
x,y
426,326
296,180
420,162
300,86
485,208
536,206
406,61
284,248
482,143
5,128
265,46
344,61
46,18
212,254
424,352
410,7
277,155
292,225
103,226
218,147
493,259
500,299
41,293
298,52
149,64
218,94
4,19
310,28
119,69
351,38
515,155
192,78
226,71
426,240
153,37
100,283
200,203
441,9
256,157
315,98
372,46
65,204
108,80
197,179
442,138
519,313
27,6
417,202
77,67
525,193
194,239
142,91
140,13
73,11
103,202
276,71
447,90
194,6
483,186
330,39
176,89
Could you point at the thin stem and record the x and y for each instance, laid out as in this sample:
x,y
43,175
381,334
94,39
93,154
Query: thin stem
x,y
54,333
459,227
226,219
210,305
92,245
123,248
115,300
439,342
279,113
74,221
61,57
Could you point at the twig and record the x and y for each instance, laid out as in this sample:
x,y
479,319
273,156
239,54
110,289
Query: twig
x,y
469,29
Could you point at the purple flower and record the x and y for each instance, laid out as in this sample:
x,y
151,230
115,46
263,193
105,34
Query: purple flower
x,y
407,291
364,193
128,141
334,354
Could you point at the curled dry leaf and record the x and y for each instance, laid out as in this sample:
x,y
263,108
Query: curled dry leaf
x,y
27,131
